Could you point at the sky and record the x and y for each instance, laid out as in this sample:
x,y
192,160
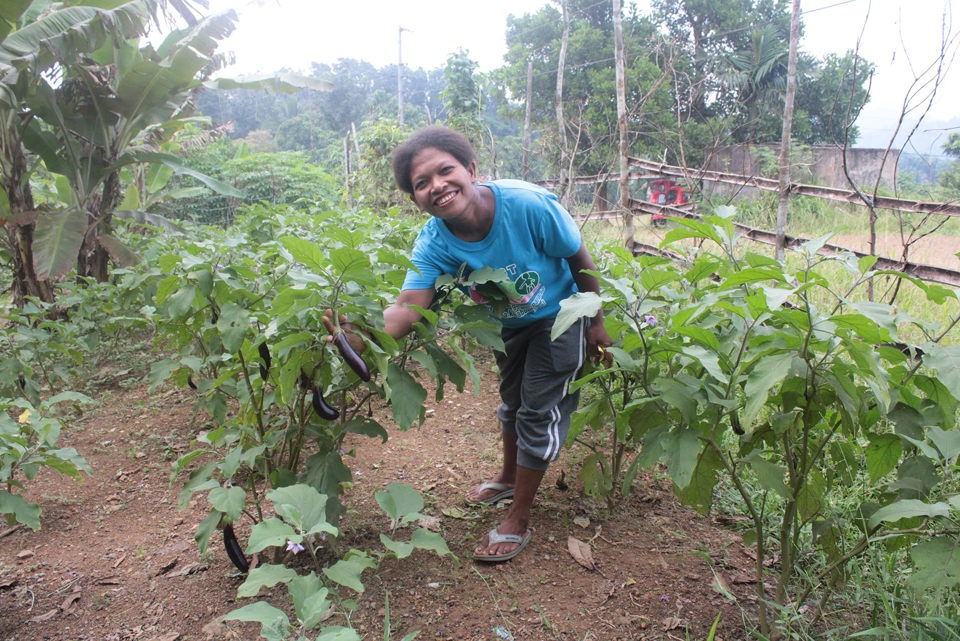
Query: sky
x,y
902,37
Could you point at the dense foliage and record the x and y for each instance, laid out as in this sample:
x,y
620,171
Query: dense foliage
x,y
827,419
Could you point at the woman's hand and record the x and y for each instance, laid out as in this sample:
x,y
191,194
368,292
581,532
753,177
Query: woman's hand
x,y
597,343
351,331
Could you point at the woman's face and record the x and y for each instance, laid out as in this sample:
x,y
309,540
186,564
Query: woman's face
x,y
442,186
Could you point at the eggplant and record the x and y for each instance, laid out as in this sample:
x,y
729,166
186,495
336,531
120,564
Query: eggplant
x,y
190,383
234,551
321,407
350,356
264,360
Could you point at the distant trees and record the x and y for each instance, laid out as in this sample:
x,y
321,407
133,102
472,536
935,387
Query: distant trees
x,y
950,178
83,99
697,73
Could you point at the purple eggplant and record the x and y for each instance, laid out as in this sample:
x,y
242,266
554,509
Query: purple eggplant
x,y
350,356
234,551
321,407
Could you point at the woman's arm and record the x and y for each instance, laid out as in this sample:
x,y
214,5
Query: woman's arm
x,y
398,319
597,339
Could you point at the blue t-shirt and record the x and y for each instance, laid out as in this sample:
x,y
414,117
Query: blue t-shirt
x,y
531,238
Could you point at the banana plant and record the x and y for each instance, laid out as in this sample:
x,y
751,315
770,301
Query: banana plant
x,y
34,36
113,109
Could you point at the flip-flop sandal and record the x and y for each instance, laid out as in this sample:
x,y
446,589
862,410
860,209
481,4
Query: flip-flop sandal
x,y
502,491
494,537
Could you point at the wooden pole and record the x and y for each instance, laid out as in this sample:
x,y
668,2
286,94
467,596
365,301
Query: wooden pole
x,y
561,125
622,124
783,202
528,114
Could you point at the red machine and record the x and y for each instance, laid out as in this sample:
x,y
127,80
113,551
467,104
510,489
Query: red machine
x,y
665,192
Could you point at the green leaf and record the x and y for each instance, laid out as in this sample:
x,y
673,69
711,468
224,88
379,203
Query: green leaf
x,y
945,361
337,633
180,304
56,243
347,571
766,372
406,396
310,599
233,324
265,576
682,449
699,492
229,500
400,502
688,228
937,564
22,511
10,12
948,442
281,82
573,309
753,275
400,549
271,532
906,509
810,498
882,453
303,507
864,327
680,395
424,539
275,626
205,530
305,252
351,265
770,475
366,427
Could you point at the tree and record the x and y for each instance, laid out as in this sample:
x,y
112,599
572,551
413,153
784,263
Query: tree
x,y
950,178
708,32
112,109
830,95
589,83
35,42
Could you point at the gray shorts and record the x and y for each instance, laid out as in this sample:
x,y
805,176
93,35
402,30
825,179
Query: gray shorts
x,y
535,377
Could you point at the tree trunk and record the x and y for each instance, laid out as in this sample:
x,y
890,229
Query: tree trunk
x,y
783,203
94,261
527,116
563,178
25,283
622,124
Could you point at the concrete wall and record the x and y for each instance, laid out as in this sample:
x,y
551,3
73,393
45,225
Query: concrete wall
x,y
811,165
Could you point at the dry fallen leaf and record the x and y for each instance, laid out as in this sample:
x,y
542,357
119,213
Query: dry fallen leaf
x,y
580,552
431,523
455,513
673,623
45,617
582,521
71,599
721,585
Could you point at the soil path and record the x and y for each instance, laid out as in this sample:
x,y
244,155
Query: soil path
x,y
115,559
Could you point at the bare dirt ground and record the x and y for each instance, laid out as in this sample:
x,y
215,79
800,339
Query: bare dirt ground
x,y
115,559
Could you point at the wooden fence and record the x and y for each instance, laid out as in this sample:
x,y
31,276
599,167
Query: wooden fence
x,y
646,169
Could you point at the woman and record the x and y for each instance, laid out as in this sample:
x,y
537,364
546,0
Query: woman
x,y
522,229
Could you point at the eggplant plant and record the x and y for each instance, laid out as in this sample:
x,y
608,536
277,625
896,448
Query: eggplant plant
x,y
241,312
783,383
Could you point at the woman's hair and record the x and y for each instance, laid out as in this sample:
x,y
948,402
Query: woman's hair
x,y
433,137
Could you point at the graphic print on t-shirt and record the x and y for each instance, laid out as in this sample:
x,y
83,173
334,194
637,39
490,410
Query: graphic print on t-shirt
x,y
524,293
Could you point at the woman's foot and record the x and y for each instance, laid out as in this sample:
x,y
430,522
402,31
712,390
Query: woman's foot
x,y
490,492
502,543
